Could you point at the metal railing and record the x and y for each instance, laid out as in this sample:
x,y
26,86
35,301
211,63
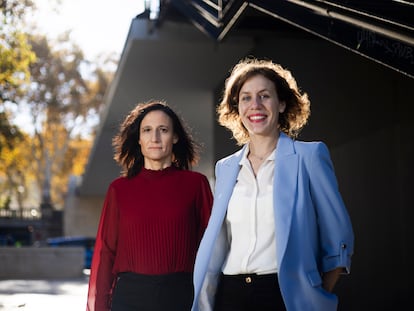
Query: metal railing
x,y
26,214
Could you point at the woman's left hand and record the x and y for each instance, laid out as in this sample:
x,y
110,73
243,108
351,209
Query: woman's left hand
x,y
330,278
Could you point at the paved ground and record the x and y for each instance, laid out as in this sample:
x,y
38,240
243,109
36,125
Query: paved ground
x,y
44,295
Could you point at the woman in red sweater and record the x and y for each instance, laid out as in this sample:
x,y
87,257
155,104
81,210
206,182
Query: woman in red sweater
x,y
152,219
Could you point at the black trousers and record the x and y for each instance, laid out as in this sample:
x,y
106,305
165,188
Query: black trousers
x,y
138,292
248,292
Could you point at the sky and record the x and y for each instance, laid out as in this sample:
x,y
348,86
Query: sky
x,y
97,26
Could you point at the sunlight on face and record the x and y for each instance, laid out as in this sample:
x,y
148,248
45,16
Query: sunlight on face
x,y
259,106
156,139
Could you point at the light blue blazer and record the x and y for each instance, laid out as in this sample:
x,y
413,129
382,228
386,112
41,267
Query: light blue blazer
x,y
313,228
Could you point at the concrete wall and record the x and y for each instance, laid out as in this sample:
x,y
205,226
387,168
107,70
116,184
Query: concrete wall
x,y
41,263
81,214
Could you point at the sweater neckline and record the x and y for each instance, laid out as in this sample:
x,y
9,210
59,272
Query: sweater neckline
x,y
157,173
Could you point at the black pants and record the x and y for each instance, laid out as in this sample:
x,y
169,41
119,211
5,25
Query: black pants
x,y
248,292
138,292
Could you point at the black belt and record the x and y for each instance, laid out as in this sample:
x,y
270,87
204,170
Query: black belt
x,y
250,278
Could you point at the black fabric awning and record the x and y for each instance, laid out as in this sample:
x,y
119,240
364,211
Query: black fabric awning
x,y
382,30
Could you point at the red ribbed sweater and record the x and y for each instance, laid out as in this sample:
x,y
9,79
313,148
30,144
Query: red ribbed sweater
x,y
150,224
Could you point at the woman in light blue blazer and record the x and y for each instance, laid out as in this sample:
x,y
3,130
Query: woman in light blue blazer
x,y
279,235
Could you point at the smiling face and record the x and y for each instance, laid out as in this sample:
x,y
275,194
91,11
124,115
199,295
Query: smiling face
x,y
156,139
259,107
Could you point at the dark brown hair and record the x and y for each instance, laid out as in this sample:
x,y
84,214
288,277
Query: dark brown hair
x,y
128,152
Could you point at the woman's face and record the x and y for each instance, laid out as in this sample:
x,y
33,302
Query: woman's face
x,y
259,106
156,139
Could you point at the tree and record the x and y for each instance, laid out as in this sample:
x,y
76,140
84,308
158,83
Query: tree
x,y
10,133
62,92
15,51
60,100
15,58
15,171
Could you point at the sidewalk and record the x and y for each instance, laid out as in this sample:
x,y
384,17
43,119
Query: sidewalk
x,y
44,295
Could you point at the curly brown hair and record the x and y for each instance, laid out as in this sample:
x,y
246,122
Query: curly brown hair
x,y
126,145
297,110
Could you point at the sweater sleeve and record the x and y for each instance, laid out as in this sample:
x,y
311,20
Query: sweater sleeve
x,y
204,205
101,278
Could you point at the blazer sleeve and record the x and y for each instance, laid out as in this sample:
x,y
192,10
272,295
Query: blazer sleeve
x,y
335,228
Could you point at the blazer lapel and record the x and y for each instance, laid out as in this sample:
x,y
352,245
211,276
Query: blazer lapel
x,y
228,170
284,191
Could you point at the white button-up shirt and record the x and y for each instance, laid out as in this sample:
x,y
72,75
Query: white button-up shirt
x,y
250,221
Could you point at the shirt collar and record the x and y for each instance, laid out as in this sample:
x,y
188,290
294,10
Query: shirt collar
x,y
245,161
